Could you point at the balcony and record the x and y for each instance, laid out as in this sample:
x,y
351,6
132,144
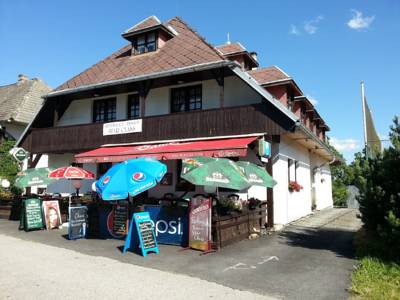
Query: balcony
x,y
258,118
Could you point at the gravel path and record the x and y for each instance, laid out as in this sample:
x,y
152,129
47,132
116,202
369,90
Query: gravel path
x,y
32,270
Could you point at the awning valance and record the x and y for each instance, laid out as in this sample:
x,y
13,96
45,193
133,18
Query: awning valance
x,y
216,148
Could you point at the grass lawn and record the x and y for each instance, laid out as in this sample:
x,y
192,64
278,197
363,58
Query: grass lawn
x,y
377,276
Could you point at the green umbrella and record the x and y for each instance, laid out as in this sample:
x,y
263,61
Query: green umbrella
x,y
218,172
33,177
256,175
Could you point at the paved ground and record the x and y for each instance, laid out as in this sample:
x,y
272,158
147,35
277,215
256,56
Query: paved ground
x,y
311,259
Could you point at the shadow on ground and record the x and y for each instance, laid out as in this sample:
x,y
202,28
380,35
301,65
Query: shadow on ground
x,y
338,241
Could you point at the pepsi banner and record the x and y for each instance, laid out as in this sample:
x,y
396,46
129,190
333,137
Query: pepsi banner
x,y
171,224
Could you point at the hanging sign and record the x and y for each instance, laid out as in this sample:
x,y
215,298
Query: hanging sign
x,y
78,222
120,219
200,224
52,215
144,236
264,148
19,154
122,127
31,215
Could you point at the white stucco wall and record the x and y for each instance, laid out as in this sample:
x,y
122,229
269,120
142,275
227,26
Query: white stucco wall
x,y
236,93
322,182
289,206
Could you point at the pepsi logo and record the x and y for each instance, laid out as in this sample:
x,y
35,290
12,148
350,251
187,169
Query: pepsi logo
x,y
138,176
106,180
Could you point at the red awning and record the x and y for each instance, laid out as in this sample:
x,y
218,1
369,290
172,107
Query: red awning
x,y
214,148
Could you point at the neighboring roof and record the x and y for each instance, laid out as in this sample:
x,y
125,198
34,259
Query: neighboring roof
x,y
269,74
183,50
228,49
146,23
21,100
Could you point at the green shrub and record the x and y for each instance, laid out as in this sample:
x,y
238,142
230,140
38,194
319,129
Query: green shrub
x,y
379,182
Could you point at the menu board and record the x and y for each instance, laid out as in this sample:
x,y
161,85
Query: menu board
x,y
200,224
52,215
144,237
31,217
120,219
78,222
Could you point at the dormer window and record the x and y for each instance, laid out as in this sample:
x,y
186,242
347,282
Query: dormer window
x,y
146,42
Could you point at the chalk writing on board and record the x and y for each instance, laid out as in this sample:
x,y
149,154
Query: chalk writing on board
x,y
120,219
200,224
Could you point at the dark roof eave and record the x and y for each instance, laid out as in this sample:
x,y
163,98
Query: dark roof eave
x,y
178,71
127,35
284,81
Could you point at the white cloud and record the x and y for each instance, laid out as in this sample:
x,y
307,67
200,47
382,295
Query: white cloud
x,y
358,21
294,30
311,26
312,100
345,144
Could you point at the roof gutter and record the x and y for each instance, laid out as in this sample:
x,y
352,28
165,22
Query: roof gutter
x,y
178,71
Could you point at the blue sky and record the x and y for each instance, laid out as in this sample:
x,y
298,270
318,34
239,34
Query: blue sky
x,y
327,49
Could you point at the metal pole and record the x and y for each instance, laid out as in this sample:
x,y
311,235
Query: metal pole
x,y
364,117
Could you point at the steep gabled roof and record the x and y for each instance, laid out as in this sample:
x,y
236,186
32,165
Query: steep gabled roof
x,y
183,50
21,100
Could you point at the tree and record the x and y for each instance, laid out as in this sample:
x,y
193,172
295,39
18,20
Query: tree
x,y
341,176
379,184
8,165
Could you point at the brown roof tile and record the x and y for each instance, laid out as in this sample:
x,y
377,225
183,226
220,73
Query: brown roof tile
x,y
266,75
230,48
186,49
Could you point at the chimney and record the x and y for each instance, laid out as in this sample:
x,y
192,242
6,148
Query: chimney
x,y
22,77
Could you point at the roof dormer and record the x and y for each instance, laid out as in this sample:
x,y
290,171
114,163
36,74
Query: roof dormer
x,y
148,35
236,52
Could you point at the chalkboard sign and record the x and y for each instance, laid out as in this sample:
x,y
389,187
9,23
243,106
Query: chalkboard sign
x,y
31,215
144,236
120,219
200,224
78,222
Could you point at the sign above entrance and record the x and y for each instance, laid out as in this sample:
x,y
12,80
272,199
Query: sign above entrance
x,y
122,127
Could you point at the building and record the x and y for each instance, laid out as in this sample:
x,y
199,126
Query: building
x,y
184,97
19,103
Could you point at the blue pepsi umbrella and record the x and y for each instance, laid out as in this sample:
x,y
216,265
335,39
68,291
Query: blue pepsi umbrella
x,y
130,177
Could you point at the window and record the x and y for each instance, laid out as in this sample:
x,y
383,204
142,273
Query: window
x,y
104,110
145,43
292,170
133,106
102,168
186,98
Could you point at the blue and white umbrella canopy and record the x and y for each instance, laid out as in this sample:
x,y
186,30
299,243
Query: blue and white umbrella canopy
x,y
131,177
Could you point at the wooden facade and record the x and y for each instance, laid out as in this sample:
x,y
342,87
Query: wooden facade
x,y
257,118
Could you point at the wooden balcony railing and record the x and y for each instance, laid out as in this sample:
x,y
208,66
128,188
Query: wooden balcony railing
x,y
257,118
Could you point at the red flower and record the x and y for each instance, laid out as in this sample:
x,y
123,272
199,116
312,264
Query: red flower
x,y
295,186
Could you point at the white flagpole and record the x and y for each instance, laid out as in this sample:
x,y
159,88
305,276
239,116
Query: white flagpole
x,y
364,115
